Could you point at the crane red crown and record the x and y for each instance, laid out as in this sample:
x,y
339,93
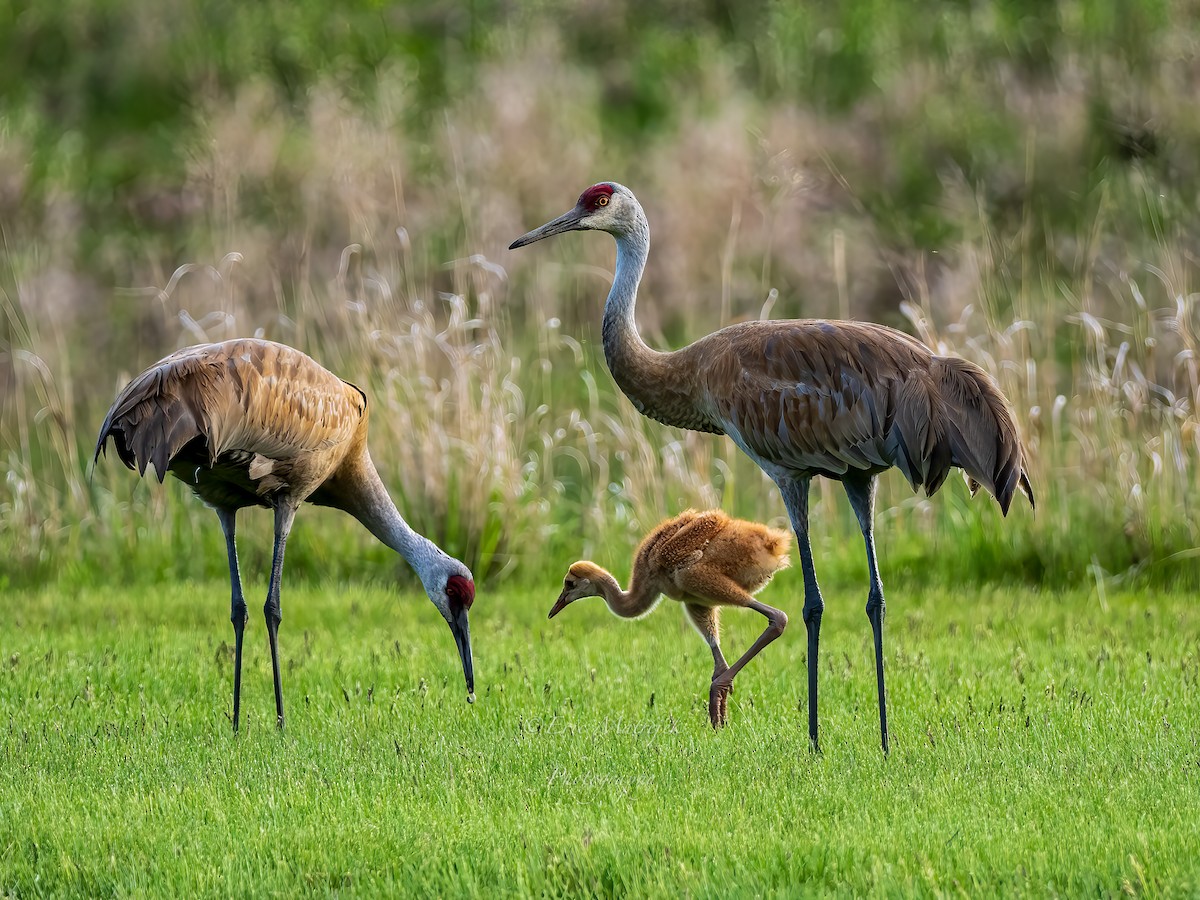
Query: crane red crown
x,y
461,589
588,199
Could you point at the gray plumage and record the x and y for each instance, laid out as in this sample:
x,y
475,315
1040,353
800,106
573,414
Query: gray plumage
x,y
845,400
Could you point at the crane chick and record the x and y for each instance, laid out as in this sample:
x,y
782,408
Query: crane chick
x,y
705,560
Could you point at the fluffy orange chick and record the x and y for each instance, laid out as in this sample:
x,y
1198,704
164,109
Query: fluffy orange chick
x,y
705,560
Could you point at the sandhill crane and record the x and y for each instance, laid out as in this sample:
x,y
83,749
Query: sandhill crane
x,y
255,423
801,398
705,560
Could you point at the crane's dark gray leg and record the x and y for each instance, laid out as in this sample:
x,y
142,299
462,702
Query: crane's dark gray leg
x,y
795,498
285,513
861,492
237,613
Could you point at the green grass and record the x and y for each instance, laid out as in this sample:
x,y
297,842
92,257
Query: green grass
x,y
1042,744
1012,183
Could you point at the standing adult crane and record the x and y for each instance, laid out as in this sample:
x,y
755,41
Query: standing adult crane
x,y
846,400
254,423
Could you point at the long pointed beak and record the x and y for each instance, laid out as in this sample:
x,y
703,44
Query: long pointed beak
x,y
568,221
460,627
559,605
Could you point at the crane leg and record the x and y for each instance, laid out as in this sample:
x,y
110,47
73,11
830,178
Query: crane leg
x,y
723,684
861,492
795,498
237,612
285,513
707,620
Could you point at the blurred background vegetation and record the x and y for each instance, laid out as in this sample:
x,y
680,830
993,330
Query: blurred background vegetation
x,y
1015,182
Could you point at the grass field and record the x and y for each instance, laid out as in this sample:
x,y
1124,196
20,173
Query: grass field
x,y
1010,182
1042,744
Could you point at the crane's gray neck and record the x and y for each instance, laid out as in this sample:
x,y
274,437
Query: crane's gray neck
x,y
378,513
624,348
638,600
656,383
621,338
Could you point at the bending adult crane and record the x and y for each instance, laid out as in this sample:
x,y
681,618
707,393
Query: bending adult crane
x,y
255,423
846,400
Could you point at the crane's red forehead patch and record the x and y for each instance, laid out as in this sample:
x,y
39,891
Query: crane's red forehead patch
x,y
461,589
589,197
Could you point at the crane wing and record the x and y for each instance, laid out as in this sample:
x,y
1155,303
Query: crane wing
x,y
686,545
280,403
250,395
827,397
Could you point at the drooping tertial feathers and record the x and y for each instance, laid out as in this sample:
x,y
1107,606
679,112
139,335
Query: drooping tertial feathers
x,y
827,398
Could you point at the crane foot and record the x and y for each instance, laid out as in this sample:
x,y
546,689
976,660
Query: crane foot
x,y
718,704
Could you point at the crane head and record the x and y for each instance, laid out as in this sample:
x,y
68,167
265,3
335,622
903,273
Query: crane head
x,y
580,581
606,206
452,590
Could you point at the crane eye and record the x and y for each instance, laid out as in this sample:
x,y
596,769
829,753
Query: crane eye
x,y
602,201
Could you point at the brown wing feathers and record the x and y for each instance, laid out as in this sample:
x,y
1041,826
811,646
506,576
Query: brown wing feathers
x,y
827,397
153,419
980,430
252,395
949,413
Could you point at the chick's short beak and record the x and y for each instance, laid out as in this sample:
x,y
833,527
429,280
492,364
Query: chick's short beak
x,y
559,605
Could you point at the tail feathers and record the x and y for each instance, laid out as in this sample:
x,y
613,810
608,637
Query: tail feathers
x,y
980,431
777,543
1023,484
918,443
148,425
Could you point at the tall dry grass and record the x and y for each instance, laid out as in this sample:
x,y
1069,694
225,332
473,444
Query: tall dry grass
x,y
380,251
